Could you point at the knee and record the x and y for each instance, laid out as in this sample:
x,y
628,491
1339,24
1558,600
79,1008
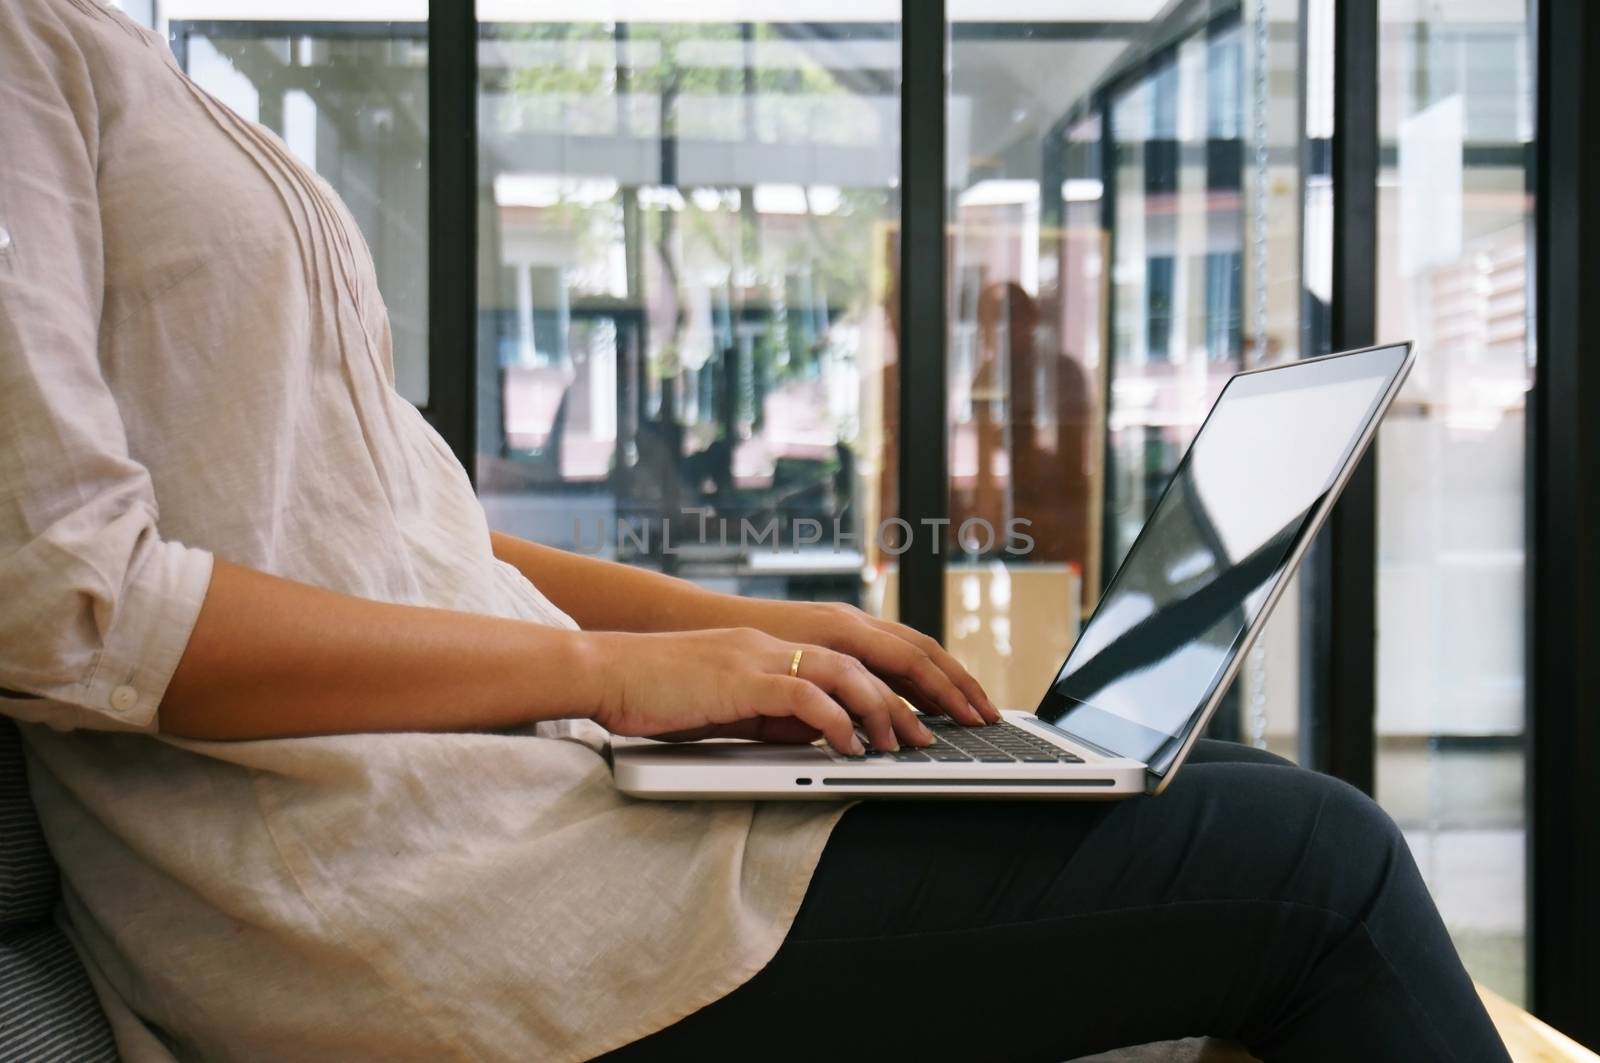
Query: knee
x,y
1355,818
1252,755
1292,833
1213,751
1352,848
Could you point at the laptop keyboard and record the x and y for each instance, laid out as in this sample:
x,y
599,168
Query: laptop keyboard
x,y
998,743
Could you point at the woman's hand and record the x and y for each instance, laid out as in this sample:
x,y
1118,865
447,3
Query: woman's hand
x,y
913,665
674,627
737,683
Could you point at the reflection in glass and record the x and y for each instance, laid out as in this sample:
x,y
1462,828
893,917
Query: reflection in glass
x,y
1216,544
683,239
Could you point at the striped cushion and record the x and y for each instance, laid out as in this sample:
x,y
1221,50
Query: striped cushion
x,y
28,886
48,1010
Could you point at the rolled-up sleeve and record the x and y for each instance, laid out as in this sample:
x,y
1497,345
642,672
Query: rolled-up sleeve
x,y
95,606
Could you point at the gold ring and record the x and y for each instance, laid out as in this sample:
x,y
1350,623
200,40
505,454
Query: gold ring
x,y
794,665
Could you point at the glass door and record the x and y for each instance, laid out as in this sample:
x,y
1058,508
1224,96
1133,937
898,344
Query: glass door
x,y
1128,190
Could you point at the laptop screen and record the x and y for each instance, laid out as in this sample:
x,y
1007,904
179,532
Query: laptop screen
x,y
1217,543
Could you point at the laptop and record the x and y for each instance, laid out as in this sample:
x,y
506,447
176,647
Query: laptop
x,y
1156,657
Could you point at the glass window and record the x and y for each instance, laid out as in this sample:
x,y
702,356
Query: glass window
x,y
1158,306
350,99
141,11
687,235
1455,260
1223,327
1127,187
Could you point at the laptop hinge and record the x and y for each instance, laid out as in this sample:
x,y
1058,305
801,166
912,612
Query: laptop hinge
x,y
1064,733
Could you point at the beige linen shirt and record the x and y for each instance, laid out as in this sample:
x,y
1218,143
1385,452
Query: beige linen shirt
x,y
195,363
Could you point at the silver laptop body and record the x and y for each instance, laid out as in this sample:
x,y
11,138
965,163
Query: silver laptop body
x,y
1155,659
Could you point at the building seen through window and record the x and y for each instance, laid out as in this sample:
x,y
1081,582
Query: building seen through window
x,y
682,279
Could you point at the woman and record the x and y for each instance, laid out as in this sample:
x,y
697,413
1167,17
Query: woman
x,y
323,768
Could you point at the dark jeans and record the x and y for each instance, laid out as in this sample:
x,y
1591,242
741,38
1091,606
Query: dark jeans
x,y
1253,901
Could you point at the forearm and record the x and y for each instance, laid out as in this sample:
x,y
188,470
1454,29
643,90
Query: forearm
x,y
271,658
607,596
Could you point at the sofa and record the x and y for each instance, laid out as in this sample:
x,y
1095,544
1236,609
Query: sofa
x,y
48,1009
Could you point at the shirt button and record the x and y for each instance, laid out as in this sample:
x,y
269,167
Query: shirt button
x,y
124,698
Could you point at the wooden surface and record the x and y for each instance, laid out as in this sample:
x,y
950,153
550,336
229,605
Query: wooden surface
x,y
1527,1039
